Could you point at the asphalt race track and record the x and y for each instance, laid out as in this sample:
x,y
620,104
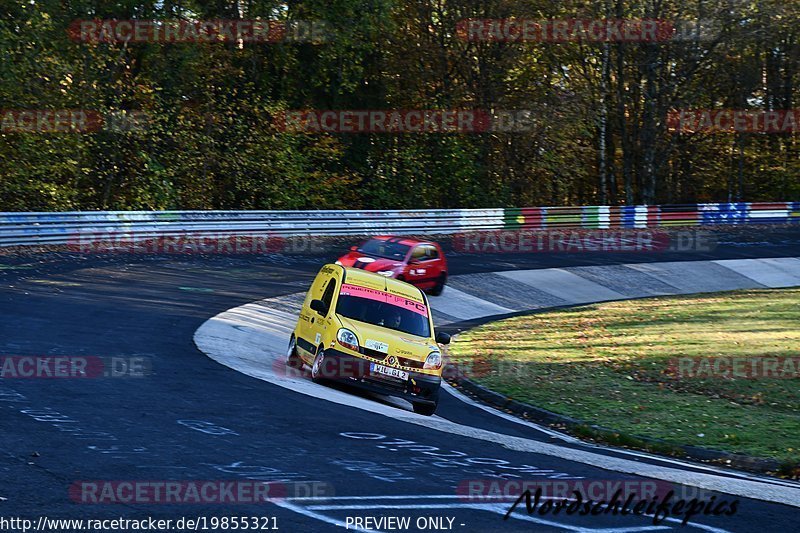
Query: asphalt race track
x,y
192,418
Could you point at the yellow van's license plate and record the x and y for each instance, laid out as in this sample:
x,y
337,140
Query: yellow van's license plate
x,y
388,371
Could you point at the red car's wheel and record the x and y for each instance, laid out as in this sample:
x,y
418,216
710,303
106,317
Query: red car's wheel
x,y
439,287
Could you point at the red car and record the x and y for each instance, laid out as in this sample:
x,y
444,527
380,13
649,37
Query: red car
x,y
420,263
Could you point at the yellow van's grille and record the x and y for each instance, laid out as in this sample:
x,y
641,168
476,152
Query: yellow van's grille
x,y
380,356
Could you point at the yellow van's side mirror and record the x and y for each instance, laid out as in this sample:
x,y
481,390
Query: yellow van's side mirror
x,y
319,306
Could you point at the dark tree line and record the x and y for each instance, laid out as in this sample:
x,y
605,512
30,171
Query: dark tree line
x,y
599,133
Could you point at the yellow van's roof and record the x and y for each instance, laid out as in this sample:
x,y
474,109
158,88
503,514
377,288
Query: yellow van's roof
x,y
370,280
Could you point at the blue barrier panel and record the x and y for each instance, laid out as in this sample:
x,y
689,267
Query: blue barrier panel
x,y
735,213
794,212
628,216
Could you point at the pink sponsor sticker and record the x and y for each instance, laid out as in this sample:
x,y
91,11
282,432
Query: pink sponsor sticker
x,y
381,296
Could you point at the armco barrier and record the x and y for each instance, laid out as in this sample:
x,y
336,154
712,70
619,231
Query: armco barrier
x,y
63,228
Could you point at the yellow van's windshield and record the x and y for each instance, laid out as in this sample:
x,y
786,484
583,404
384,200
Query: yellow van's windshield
x,y
383,309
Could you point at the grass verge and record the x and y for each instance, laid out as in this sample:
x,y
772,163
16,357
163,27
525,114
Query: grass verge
x,y
609,365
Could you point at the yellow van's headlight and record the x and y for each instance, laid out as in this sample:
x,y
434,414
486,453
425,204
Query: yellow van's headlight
x,y
433,361
347,338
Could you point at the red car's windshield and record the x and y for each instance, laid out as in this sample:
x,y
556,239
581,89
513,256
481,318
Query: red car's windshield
x,y
385,249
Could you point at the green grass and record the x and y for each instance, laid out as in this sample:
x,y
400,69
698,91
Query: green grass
x,y
607,364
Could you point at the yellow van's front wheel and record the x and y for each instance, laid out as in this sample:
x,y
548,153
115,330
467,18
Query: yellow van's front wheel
x,y
292,358
317,373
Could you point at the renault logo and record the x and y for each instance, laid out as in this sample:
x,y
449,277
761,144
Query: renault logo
x,y
392,361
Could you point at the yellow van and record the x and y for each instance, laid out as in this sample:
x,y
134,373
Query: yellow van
x,y
370,331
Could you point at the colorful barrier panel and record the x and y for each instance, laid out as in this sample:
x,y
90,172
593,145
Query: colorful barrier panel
x,y
61,228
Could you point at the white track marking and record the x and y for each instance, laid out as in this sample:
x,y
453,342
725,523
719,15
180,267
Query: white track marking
x,y
586,530
493,507
321,517
524,516
388,497
361,507
480,506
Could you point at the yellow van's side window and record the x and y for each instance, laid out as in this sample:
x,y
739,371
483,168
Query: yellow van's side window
x,y
327,296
